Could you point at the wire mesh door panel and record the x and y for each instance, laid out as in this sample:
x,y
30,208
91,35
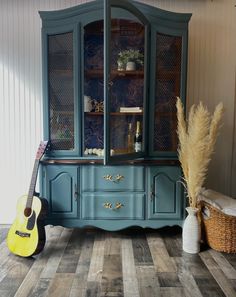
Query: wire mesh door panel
x,y
168,86
61,91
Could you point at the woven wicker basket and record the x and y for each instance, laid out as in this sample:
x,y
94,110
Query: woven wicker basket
x,y
219,228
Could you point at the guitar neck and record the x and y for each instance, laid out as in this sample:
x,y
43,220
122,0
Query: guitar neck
x,y
32,184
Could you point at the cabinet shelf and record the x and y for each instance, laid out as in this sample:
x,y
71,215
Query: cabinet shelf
x,y
91,113
168,74
113,113
98,73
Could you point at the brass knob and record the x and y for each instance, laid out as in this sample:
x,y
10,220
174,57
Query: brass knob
x,y
115,179
108,177
107,205
118,205
119,177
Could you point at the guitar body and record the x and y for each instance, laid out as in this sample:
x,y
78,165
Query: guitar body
x,y
26,236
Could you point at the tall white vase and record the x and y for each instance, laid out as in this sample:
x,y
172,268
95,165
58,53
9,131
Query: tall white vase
x,y
191,232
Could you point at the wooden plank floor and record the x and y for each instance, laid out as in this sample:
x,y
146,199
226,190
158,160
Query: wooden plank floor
x,y
129,263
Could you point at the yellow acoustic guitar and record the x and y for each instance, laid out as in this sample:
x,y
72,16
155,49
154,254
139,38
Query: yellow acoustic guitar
x,y
26,236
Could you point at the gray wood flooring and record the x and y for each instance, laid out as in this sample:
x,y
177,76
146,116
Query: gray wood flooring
x,y
129,263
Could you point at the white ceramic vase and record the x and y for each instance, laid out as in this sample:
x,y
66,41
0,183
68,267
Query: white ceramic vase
x,y
191,232
130,66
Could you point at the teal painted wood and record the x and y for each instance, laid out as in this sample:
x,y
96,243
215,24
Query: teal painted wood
x,y
62,191
112,178
78,86
107,40
56,20
76,63
72,14
165,193
42,184
178,20
45,84
60,182
114,225
131,206
129,5
147,10
137,14
182,33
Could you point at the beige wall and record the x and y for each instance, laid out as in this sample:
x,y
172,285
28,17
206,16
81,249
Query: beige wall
x,y
233,169
211,75
211,78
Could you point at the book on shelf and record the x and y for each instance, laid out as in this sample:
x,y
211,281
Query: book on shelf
x,y
131,109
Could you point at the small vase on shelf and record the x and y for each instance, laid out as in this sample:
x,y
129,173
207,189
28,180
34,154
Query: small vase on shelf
x,y
131,66
191,232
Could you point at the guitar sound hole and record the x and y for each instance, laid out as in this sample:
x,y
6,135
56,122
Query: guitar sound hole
x,y
27,212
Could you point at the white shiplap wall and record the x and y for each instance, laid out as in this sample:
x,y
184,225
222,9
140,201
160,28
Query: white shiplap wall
x,y
211,78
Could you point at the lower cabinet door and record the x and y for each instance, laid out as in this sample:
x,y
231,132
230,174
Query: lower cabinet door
x,y
165,193
61,187
103,206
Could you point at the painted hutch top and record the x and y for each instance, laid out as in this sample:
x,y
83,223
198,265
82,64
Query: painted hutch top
x,y
95,96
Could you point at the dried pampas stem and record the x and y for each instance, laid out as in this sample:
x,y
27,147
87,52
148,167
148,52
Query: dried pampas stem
x,y
196,144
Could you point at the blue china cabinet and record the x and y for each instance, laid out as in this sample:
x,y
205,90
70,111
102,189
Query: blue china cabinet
x,y
111,72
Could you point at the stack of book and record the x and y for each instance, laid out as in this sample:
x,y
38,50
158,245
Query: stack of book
x,y
131,109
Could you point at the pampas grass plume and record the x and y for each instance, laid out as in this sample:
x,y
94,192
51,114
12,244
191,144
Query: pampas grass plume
x,y
197,139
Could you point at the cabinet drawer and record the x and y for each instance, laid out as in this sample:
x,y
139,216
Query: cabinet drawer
x,y
112,206
112,178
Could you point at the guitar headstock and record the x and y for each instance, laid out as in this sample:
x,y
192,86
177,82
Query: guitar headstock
x,y
41,149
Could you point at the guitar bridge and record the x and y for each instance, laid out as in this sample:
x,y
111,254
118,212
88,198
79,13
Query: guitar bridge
x,y
22,234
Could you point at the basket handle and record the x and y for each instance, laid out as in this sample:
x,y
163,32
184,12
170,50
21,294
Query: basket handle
x,y
206,213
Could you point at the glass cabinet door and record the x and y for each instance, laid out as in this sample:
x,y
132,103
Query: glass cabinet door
x,y
61,91
167,70
93,87
126,87
109,85
125,81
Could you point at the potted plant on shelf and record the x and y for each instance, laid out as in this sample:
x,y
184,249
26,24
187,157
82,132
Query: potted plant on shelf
x,y
128,59
197,138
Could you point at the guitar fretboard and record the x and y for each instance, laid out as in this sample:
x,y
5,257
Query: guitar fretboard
x,y
32,184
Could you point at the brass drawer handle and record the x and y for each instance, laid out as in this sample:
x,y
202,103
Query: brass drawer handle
x,y
108,177
108,205
115,179
119,205
119,177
